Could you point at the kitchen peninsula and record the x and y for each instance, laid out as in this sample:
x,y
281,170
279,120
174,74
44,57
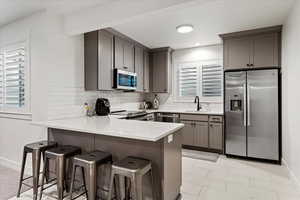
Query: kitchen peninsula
x,y
156,141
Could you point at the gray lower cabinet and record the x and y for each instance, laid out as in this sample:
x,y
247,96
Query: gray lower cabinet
x,y
201,134
123,54
188,133
98,60
216,135
203,131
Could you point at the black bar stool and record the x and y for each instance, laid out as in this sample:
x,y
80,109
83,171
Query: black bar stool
x,y
133,169
36,149
61,155
89,163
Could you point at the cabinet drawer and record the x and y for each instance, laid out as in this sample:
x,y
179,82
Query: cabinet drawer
x,y
214,118
194,117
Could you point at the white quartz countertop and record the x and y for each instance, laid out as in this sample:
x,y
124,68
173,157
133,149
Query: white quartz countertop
x,y
112,126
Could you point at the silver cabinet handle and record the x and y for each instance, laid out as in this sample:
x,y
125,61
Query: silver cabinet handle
x,y
244,105
248,105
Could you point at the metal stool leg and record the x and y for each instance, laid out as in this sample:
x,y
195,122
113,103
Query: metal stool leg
x,y
84,182
92,186
36,162
22,172
60,175
137,189
111,184
72,180
43,177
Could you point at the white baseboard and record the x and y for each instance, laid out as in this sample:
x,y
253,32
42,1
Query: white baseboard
x,y
14,165
292,175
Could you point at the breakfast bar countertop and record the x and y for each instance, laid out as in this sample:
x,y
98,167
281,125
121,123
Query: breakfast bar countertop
x,y
112,126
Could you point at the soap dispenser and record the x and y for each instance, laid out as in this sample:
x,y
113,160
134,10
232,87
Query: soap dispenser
x,y
155,102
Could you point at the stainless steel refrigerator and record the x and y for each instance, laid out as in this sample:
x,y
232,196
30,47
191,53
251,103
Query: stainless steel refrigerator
x,y
252,114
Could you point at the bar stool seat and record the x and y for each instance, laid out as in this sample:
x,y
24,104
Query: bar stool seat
x,y
89,162
134,169
36,149
61,155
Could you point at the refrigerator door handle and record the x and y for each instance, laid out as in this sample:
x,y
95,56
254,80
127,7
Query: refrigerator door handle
x,y
248,105
244,109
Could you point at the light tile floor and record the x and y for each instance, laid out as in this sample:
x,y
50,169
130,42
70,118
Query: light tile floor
x,y
230,179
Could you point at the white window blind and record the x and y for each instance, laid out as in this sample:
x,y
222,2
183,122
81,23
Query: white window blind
x,y
1,80
188,80
212,80
12,76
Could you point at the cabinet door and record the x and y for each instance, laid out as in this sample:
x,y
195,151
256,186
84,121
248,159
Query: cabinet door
x,y
105,62
128,55
201,134
159,69
91,60
216,136
139,67
118,53
237,52
146,72
188,133
265,50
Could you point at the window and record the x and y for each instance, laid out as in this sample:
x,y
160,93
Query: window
x,y
212,80
13,71
203,79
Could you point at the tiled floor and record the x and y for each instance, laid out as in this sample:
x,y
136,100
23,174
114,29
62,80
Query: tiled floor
x,y
230,179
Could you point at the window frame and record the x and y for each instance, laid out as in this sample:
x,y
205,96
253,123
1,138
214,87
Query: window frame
x,y
26,109
199,63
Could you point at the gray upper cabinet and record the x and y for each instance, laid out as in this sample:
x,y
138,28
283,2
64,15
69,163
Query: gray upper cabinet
x,y
266,50
146,72
254,48
237,53
139,67
98,60
123,54
160,60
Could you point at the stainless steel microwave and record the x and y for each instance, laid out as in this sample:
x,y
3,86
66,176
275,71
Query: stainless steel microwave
x,y
124,80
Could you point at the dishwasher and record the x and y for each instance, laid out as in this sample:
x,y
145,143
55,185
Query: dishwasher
x,y
167,117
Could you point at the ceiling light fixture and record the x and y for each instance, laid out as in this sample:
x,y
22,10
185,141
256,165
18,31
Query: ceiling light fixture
x,y
185,28
197,44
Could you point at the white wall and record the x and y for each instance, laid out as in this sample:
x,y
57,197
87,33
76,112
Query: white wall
x,y
57,82
291,94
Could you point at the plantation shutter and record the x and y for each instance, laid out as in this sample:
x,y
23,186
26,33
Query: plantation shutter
x,y
212,80
13,77
1,79
188,80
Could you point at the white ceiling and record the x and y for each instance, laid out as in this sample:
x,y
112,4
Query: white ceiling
x,y
12,10
209,19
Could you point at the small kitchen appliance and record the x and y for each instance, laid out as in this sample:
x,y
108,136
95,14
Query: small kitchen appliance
x,y
102,107
124,80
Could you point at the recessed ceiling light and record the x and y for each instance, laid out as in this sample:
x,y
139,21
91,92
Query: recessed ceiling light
x,y
197,44
184,28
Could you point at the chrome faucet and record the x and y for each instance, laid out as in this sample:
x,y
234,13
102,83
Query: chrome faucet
x,y
197,100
